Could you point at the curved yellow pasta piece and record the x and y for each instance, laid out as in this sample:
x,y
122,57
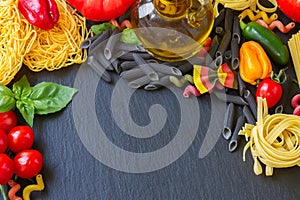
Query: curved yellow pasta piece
x,y
274,141
34,187
259,14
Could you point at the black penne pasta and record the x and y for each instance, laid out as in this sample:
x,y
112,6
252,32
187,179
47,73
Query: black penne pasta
x,y
98,68
219,31
241,85
165,69
220,18
228,121
155,85
98,54
129,55
235,58
236,30
145,67
87,42
129,47
250,99
230,98
212,50
132,74
228,19
139,82
111,43
186,68
116,65
218,62
127,65
224,44
227,55
248,115
100,40
233,143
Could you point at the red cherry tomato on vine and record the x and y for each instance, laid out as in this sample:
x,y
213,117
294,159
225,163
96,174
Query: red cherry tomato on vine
x,y
6,169
290,8
28,163
20,138
3,141
100,10
8,120
271,90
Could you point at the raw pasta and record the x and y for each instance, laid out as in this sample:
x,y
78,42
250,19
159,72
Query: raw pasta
x,y
60,46
274,141
244,4
16,40
294,46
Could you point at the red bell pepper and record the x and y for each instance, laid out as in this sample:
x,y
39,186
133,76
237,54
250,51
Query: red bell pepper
x,y
40,13
101,10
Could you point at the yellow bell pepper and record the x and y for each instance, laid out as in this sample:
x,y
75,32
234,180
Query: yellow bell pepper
x,y
254,63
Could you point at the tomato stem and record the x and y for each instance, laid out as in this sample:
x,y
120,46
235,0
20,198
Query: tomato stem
x,y
277,77
3,192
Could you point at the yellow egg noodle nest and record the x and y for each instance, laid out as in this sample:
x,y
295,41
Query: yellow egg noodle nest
x,y
22,43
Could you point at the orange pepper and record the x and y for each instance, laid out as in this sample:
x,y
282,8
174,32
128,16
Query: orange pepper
x,y
254,63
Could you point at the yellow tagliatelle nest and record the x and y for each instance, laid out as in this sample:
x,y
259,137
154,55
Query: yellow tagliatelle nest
x,y
244,4
274,141
22,43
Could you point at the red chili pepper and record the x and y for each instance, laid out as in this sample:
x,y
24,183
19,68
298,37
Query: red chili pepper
x,y
40,13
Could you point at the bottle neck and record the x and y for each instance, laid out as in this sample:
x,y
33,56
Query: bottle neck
x,y
172,8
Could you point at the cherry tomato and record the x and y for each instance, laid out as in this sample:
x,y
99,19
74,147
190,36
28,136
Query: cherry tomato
x,y
28,163
3,141
6,169
101,10
20,138
270,90
290,8
8,120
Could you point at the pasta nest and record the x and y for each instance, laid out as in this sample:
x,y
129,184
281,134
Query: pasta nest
x,y
22,43
274,141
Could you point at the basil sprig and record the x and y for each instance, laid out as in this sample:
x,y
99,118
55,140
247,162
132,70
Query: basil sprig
x,y
43,98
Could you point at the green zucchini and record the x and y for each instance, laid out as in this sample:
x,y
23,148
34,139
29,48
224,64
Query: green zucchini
x,y
272,44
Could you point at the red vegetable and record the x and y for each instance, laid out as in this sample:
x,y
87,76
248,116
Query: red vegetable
x,y
40,13
28,163
6,169
3,141
271,90
99,10
290,8
20,138
8,120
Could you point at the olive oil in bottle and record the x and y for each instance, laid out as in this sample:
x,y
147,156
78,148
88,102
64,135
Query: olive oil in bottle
x,y
172,30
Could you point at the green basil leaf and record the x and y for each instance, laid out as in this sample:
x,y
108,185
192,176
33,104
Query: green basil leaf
x,y
21,88
7,100
100,28
26,108
48,97
128,36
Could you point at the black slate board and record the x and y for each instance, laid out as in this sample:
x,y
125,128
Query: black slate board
x,y
71,172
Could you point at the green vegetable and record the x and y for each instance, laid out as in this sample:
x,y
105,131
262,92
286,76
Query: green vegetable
x,y
128,36
272,44
100,28
43,98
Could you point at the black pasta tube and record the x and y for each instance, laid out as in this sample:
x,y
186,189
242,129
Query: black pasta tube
x,y
228,121
233,143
